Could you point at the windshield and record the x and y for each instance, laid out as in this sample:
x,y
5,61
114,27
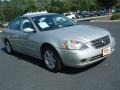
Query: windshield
x,y
50,22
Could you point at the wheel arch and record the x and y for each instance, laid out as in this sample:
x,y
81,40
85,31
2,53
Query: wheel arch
x,y
49,45
44,45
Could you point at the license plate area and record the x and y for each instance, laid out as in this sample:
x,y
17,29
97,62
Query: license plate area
x,y
106,51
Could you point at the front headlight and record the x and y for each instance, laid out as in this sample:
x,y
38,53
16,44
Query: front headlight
x,y
73,44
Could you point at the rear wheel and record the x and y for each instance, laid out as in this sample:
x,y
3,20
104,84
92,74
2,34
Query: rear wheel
x,y
51,59
8,47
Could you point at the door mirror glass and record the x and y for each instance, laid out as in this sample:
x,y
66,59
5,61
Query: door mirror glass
x,y
26,25
28,30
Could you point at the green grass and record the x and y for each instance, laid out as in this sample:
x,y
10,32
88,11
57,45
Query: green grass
x,y
115,16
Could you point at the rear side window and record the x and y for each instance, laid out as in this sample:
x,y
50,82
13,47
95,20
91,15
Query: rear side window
x,y
67,14
15,25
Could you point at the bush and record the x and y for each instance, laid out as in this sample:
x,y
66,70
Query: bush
x,y
115,16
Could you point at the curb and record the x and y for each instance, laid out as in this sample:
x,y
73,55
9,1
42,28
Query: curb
x,y
92,18
105,21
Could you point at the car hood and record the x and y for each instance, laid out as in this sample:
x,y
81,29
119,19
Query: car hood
x,y
79,32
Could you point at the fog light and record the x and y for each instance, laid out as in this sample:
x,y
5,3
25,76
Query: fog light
x,y
84,60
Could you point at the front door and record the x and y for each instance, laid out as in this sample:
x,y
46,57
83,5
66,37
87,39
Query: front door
x,y
27,40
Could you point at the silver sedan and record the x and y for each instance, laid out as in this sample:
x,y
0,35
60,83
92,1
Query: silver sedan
x,y
57,40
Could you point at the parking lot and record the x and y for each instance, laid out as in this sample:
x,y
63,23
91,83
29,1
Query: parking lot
x,y
21,72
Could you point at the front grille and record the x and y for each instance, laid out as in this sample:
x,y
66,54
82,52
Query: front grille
x,y
96,57
101,42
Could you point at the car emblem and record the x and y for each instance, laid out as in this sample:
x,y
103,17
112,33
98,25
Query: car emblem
x,y
103,42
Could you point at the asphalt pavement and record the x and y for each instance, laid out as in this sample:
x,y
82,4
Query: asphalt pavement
x,y
21,72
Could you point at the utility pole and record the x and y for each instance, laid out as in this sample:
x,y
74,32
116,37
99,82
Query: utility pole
x,y
88,6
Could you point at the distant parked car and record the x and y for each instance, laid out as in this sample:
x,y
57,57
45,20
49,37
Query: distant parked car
x,y
99,13
57,40
3,24
117,10
91,14
70,16
113,10
83,14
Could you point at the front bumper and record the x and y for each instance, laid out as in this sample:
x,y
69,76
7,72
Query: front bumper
x,y
82,58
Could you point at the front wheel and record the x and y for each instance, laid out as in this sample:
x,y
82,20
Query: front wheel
x,y
73,19
52,59
8,47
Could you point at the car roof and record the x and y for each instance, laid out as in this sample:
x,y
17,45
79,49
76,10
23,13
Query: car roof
x,y
30,15
37,14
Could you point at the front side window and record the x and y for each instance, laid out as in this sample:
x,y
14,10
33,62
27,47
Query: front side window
x,y
15,25
50,22
26,23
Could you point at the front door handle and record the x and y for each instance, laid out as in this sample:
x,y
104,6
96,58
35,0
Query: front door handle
x,y
16,36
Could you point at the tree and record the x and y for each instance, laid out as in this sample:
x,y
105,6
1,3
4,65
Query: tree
x,y
107,3
118,4
56,6
12,12
31,8
84,4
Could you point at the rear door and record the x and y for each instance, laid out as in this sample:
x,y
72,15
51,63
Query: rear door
x,y
13,33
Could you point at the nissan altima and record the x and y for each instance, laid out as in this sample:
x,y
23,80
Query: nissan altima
x,y
57,40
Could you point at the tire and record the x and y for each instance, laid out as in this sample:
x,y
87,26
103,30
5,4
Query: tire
x,y
8,47
51,59
73,19
84,16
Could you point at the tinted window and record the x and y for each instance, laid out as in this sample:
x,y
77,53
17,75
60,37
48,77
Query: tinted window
x,y
15,25
26,23
67,14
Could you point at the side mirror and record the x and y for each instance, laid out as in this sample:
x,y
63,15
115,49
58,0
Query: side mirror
x,y
28,30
